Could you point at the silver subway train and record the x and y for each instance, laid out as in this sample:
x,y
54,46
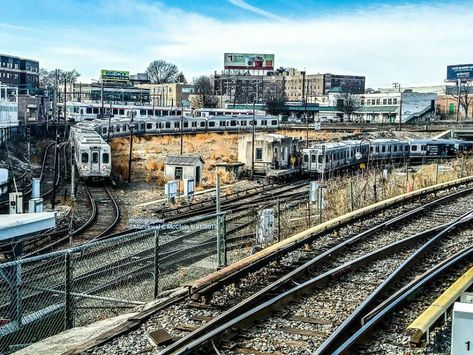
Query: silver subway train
x,y
333,156
91,154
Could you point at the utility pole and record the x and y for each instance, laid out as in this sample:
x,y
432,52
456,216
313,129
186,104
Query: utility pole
x,y
102,112
130,126
109,122
56,118
398,86
458,103
182,132
253,143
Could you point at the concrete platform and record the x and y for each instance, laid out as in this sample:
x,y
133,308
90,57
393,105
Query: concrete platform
x,y
17,226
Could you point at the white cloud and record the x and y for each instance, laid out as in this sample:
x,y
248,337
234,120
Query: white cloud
x,y
410,44
244,5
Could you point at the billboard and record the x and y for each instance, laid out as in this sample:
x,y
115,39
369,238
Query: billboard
x,y
114,75
250,61
461,71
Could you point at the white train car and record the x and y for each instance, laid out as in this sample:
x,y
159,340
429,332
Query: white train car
x,y
91,153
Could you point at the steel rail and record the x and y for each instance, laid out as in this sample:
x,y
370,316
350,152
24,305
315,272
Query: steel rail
x,y
403,295
224,321
343,330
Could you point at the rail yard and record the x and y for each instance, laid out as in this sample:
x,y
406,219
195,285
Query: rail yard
x,y
241,236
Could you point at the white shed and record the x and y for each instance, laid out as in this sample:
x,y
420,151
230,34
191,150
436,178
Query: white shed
x,y
178,167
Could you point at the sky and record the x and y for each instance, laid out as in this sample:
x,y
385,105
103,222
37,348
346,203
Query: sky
x,y
410,42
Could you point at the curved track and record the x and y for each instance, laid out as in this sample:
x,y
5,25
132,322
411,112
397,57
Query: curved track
x,y
323,302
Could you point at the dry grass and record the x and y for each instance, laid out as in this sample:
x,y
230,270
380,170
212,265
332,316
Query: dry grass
x,y
364,188
149,153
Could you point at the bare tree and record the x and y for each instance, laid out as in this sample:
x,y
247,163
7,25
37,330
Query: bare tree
x,y
162,72
275,98
463,94
203,89
348,103
48,79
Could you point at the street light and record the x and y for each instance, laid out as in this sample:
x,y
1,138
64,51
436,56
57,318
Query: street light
x,y
398,86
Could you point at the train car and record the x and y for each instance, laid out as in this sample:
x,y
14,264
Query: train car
x,y
388,149
91,153
434,148
82,111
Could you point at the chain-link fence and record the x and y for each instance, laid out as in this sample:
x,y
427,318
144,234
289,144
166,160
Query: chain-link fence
x,y
44,295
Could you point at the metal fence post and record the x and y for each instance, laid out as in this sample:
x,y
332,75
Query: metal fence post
x,y
219,234
279,220
224,240
156,264
68,298
351,195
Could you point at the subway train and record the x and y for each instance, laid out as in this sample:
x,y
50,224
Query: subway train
x,y
329,157
91,154
172,124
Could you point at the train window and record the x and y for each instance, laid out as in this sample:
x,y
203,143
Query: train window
x,y
118,128
395,148
414,148
149,125
84,158
122,111
264,122
202,124
89,110
313,158
406,148
243,123
371,149
320,159
274,122
194,124
186,124
306,158
95,110
150,112
176,125
142,126
211,124
389,148
143,112
115,111
165,113
233,123
124,128
377,149
383,149
222,124
104,130
168,124
259,153
95,157
105,158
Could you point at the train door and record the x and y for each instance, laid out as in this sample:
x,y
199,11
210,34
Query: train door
x,y
95,162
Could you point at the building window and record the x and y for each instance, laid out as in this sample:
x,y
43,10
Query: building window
x,y
259,153
178,173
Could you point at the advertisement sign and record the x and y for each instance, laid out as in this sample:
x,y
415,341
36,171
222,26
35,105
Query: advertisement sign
x,y
114,75
461,71
251,61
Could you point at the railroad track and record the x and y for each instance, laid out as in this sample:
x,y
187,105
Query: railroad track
x,y
132,269
357,250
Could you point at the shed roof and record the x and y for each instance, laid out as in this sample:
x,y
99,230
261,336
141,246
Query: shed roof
x,y
183,160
